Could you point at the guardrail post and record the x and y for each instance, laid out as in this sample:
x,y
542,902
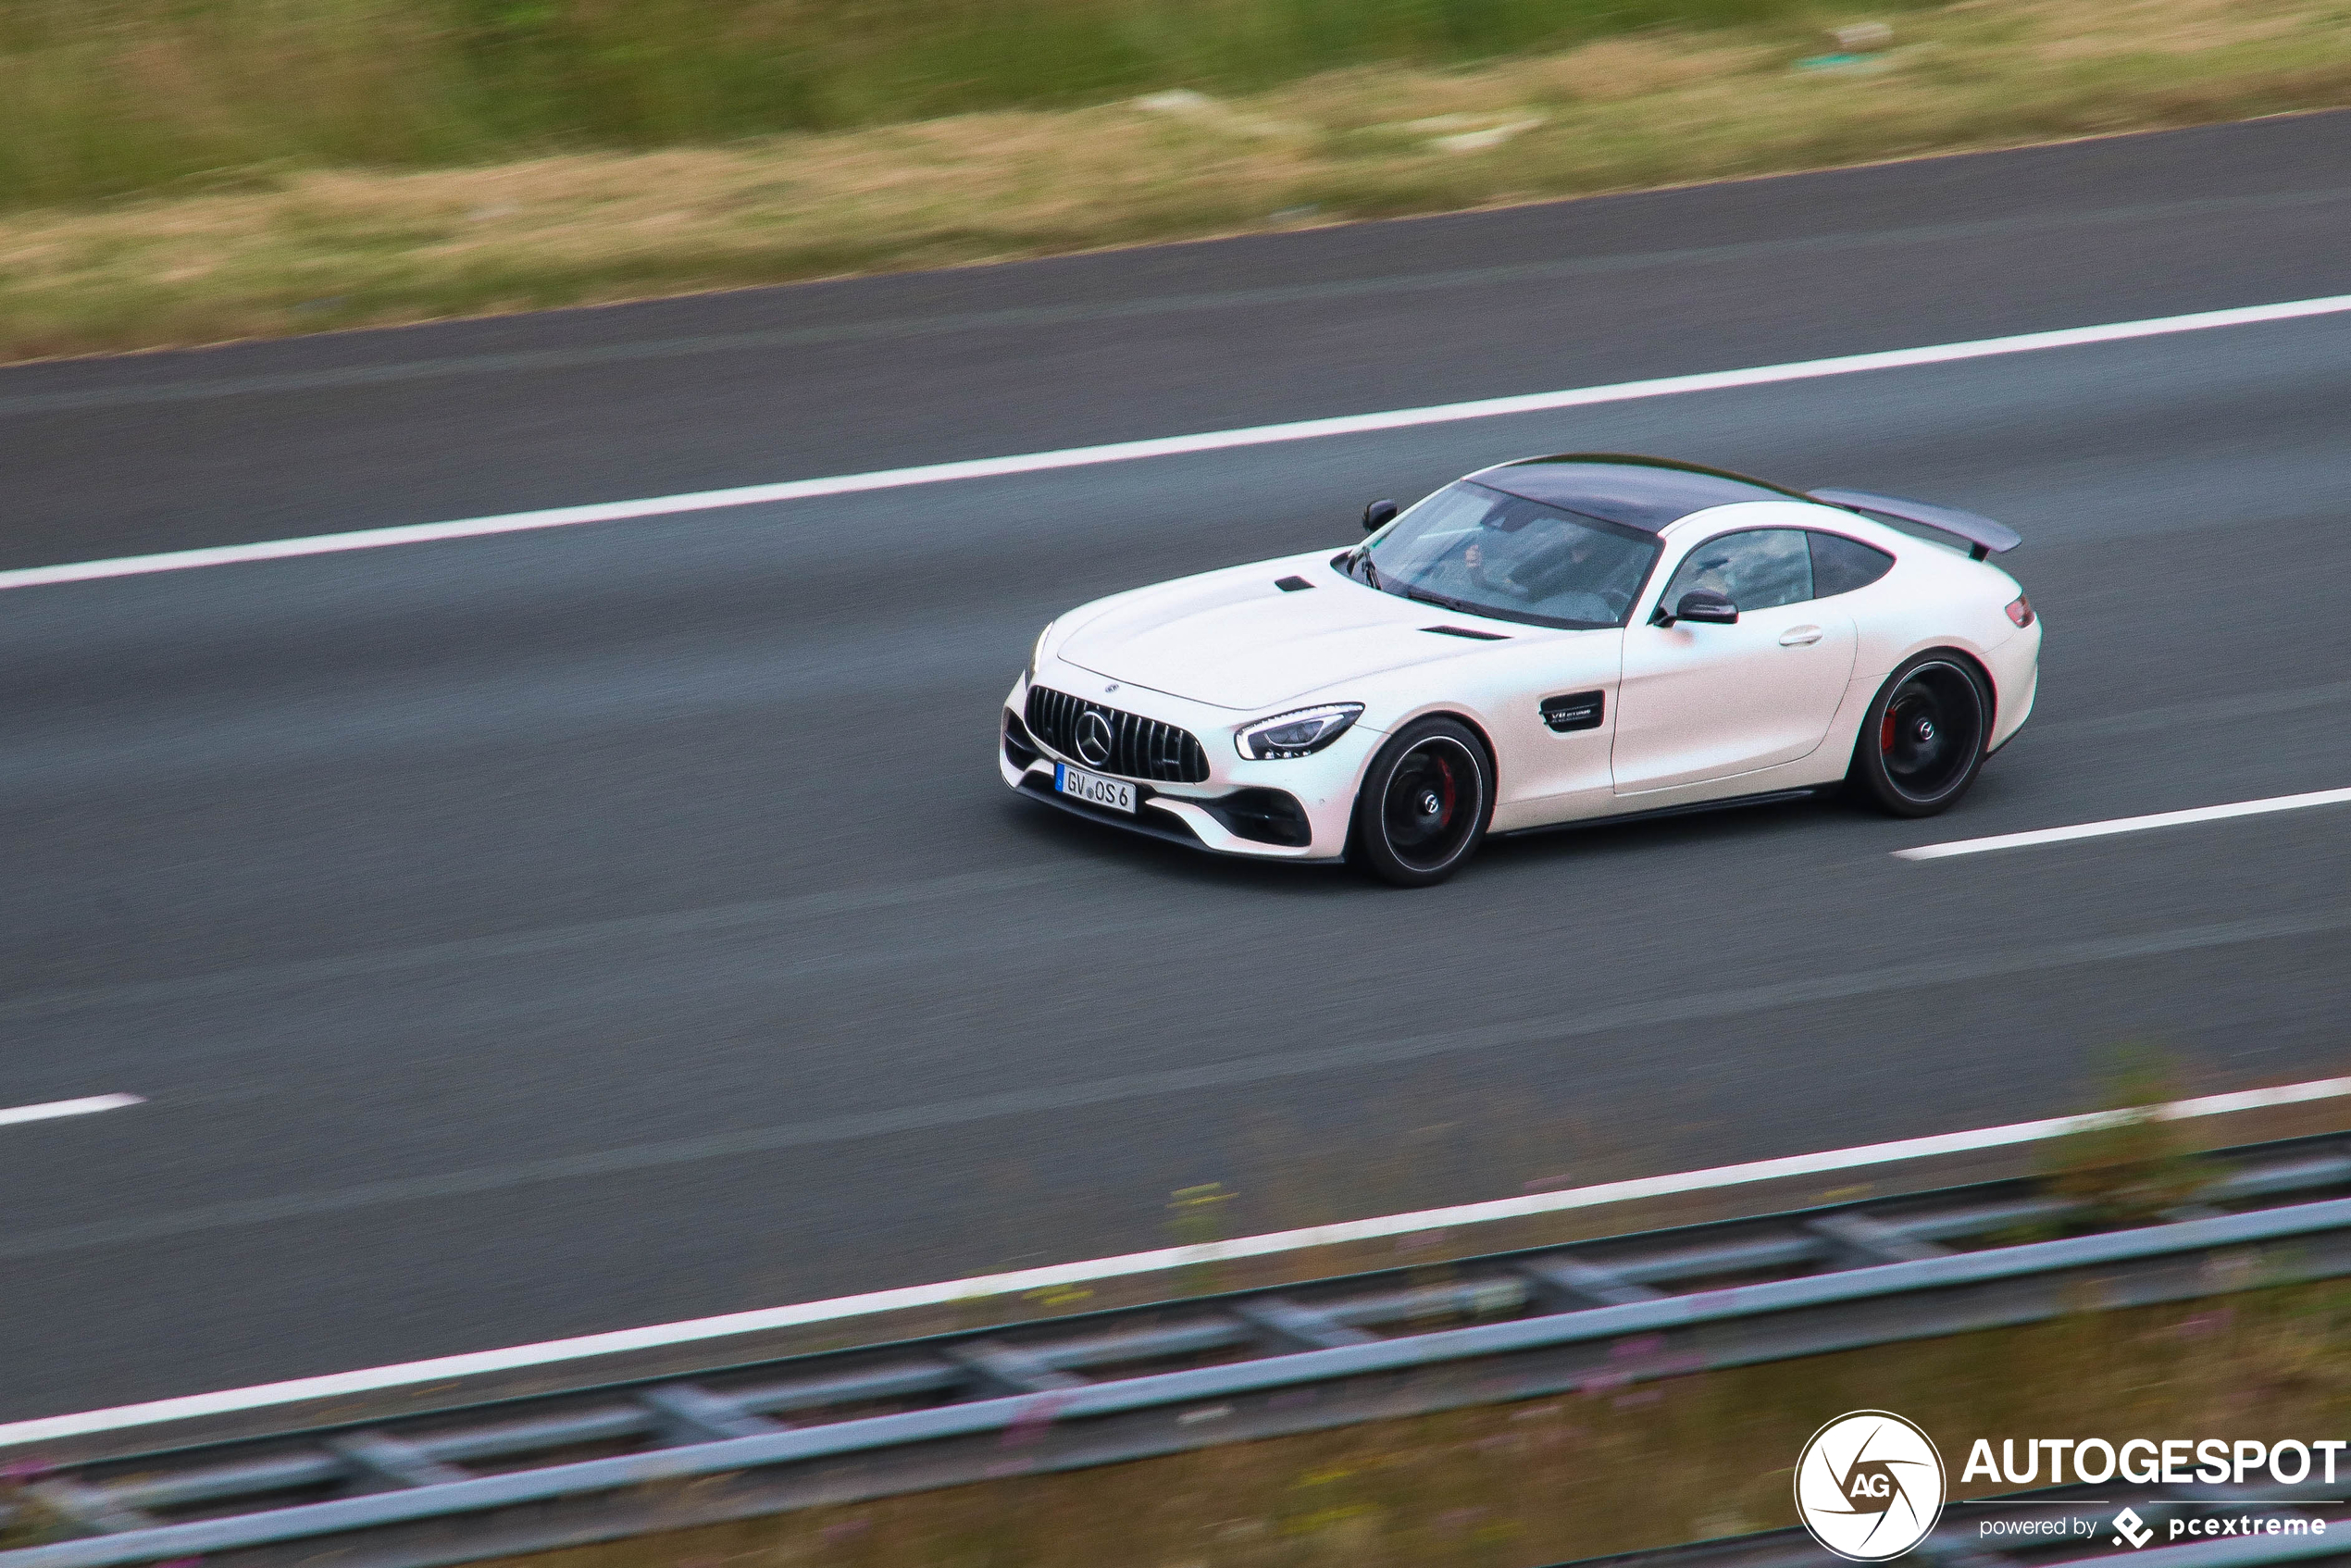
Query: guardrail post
x,y
383,1462
1571,1283
1872,1241
694,1414
1299,1325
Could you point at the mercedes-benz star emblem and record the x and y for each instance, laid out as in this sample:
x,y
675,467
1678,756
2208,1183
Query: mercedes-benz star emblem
x,y
1094,739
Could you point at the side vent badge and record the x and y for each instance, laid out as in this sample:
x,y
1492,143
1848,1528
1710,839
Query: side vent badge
x,y
1577,710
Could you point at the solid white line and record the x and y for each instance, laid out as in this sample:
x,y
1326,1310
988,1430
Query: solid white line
x,y
56,1108
1169,446
982,1287
2126,825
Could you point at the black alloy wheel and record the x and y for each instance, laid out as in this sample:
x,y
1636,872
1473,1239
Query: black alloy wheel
x,y
1922,742
1424,804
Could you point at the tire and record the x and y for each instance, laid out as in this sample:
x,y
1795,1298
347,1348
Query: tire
x,y
1424,803
1922,742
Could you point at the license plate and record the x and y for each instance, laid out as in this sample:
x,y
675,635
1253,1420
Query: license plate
x,y
1094,789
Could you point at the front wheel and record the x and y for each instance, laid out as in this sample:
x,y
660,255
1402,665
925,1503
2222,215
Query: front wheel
x,y
1922,741
1424,803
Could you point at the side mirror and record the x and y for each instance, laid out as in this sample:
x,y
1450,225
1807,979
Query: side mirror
x,y
1703,606
1378,514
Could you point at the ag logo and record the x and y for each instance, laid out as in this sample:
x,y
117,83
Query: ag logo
x,y
1869,1485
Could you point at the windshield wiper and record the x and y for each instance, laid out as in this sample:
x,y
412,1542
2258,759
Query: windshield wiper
x,y
1440,600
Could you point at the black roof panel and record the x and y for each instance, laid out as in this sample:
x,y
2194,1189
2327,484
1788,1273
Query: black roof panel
x,y
1641,492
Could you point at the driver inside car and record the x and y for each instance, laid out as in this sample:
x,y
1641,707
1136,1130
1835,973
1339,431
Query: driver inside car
x,y
1553,549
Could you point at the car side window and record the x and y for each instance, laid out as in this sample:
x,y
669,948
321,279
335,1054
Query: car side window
x,y
1841,565
1757,570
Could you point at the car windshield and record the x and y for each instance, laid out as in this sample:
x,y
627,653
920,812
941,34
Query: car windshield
x,y
1482,552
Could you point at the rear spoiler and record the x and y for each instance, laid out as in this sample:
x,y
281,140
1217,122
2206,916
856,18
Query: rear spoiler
x,y
1985,537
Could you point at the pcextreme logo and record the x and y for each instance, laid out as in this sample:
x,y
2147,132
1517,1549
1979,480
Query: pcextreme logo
x,y
1869,1485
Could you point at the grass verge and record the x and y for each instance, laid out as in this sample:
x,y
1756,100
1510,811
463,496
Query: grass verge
x,y
115,96
306,249
1586,1474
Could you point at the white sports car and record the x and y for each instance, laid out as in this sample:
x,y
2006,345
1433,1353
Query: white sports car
x,y
1545,643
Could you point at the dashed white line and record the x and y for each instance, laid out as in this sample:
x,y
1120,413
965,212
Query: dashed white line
x,y
410,1374
2127,825
1170,446
50,1111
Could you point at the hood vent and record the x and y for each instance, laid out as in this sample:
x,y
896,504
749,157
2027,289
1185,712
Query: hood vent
x,y
1464,631
1291,584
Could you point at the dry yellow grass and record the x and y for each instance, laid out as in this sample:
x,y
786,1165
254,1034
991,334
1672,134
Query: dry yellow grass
x,y
302,250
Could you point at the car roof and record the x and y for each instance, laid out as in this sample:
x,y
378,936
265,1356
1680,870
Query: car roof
x,y
1647,494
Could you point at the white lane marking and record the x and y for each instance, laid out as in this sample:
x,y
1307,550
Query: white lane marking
x,y
474,1364
2126,825
1168,446
56,1108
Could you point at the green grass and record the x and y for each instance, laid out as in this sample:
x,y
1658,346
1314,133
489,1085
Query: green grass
x,y
105,99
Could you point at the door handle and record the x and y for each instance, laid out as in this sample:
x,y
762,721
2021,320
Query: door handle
x,y
1800,636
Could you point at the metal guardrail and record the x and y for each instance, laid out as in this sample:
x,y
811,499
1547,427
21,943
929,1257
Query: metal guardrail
x,y
467,1484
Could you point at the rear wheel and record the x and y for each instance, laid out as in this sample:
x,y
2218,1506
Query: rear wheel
x,y
1424,803
1922,742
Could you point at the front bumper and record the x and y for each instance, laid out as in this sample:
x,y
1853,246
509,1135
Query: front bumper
x,y
1259,810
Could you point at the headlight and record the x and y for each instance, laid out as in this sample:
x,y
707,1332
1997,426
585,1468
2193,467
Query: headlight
x,y
1295,734
1038,652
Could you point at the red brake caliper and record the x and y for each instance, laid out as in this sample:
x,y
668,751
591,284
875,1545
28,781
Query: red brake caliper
x,y
1885,732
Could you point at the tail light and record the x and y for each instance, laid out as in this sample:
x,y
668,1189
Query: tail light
x,y
2020,611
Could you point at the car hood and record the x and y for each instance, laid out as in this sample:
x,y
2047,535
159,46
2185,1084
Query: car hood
x,y
1235,639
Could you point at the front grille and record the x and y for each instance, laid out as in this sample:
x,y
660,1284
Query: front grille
x,y
1140,747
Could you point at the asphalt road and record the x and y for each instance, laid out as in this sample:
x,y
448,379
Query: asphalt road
x,y
530,935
